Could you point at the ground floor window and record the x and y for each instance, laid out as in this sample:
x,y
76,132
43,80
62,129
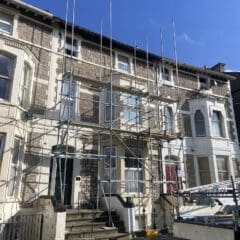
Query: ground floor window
x,y
204,172
222,167
133,171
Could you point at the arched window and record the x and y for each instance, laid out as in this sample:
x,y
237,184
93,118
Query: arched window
x,y
199,124
217,124
169,123
6,75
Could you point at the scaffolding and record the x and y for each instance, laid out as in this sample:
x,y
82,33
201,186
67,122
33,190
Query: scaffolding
x,y
134,118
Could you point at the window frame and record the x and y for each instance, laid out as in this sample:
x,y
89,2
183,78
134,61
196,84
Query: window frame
x,y
166,122
71,99
130,108
199,121
26,86
2,146
8,19
15,165
217,123
139,170
114,156
107,104
8,79
222,171
68,47
128,63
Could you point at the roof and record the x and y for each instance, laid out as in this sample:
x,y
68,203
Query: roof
x,y
52,20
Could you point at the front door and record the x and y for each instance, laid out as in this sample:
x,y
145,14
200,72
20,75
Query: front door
x,y
59,187
171,176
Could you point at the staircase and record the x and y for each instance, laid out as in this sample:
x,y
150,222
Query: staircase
x,y
92,224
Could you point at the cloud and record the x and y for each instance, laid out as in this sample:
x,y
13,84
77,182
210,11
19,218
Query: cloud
x,y
186,38
231,70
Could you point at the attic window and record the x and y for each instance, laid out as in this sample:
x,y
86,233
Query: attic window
x,y
71,47
203,83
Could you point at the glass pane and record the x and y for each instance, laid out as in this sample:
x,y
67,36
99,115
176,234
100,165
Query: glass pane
x,y
6,22
5,27
4,88
6,66
203,164
69,90
16,151
67,109
216,124
199,124
165,74
123,63
108,153
205,178
12,181
168,120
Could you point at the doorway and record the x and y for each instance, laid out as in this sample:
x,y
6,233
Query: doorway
x,y
58,187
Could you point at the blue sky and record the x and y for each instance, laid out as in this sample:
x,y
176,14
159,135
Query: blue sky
x,y
208,31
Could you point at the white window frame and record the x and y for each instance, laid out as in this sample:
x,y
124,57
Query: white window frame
x,y
8,79
107,105
65,99
129,109
135,169
223,171
221,124
173,127
15,165
26,86
195,125
7,20
161,79
129,63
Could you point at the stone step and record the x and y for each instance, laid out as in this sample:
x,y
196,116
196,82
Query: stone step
x,y
87,214
76,226
79,218
117,236
97,232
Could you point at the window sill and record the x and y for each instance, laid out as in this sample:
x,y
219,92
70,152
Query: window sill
x,y
167,83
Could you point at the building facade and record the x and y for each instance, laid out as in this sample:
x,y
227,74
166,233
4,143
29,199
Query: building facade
x,y
80,120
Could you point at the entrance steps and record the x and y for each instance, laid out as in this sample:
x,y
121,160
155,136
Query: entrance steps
x,y
93,224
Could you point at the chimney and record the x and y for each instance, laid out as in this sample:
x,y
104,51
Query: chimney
x,y
219,67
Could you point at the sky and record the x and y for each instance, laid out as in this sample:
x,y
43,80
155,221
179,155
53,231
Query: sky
x,y
207,31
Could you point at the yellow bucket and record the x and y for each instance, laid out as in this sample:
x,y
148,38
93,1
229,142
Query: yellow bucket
x,y
151,234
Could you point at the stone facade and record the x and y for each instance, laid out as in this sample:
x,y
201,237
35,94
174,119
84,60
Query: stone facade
x,y
141,93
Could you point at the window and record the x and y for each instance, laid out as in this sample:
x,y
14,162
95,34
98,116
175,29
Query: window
x,y
108,106
71,47
15,166
2,140
26,86
123,63
110,152
203,84
133,171
131,110
165,73
199,124
217,124
169,121
68,99
6,75
204,172
222,168
6,22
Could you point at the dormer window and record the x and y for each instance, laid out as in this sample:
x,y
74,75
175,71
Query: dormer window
x,y
165,73
71,47
203,83
123,63
6,22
